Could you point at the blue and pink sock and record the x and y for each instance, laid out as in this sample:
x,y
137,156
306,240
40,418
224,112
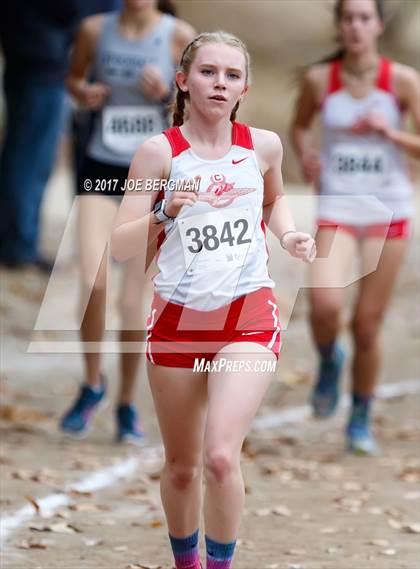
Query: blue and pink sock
x,y
219,555
186,552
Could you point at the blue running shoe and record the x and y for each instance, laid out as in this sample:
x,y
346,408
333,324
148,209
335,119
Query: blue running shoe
x,y
326,393
359,436
128,426
77,419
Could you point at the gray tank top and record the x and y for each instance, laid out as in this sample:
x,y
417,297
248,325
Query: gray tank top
x,y
129,117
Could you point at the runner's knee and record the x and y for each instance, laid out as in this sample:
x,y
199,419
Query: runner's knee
x,y
129,308
97,289
182,473
365,331
325,313
220,463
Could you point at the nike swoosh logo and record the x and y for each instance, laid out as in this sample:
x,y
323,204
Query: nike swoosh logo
x,y
241,160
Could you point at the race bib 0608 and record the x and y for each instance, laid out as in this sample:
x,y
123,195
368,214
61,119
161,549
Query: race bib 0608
x,y
217,240
125,128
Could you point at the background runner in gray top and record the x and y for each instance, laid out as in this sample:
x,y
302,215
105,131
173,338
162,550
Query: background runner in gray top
x,y
129,117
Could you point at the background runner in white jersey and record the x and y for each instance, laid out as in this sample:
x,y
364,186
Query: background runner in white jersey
x,y
364,205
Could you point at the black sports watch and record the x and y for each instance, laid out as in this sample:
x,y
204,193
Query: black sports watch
x,y
159,211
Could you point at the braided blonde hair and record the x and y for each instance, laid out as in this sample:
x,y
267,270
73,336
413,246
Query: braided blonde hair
x,y
187,59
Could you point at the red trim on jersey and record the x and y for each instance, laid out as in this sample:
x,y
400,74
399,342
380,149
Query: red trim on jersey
x,y
160,239
383,80
241,136
177,141
335,77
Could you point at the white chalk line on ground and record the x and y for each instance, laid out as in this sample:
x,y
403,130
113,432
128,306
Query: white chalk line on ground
x,y
95,481
138,464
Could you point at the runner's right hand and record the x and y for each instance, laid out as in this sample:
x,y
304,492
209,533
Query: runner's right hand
x,y
94,95
178,199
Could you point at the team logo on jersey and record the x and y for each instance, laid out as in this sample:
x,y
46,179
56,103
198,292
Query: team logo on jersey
x,y
221,193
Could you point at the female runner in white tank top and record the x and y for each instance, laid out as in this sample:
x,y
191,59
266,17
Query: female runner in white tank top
x,y
131,57
365,198
213,327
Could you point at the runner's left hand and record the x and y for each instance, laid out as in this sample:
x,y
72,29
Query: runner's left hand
x,y
300,245
152,83
372,122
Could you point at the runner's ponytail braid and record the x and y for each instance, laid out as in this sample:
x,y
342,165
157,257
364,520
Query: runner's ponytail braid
x,y
234,111
179,108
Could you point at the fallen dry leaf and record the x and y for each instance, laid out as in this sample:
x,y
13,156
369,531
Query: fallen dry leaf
x,y
21,474
378,542
248,451
328,531
32,544
411,528
394,524
135,492
388,552
294,378
156,524
281,511
34,503
5,460
410,474
88,507
298,552
63,514
269,470
407,434
60,527
77,493
86,464
154,476
17,414
262,512
352,487
93,542
64,527
18,289
394,513
375,511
